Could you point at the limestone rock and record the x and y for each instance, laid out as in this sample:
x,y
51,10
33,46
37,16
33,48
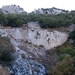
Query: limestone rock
x,y
52,10
12,9
37,36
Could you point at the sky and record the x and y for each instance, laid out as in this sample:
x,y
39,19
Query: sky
x,y
30,5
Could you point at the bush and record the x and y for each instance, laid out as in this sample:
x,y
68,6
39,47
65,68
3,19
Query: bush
x,y
64,67
6,55
72,35
65,49
46,21
61,57
69,50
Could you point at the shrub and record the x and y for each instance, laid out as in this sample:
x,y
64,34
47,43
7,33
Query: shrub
x,y
64,67
72,34
69,50
6,55
61,57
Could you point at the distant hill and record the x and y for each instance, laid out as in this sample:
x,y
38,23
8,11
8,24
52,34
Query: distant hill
x,y
12,9
52,10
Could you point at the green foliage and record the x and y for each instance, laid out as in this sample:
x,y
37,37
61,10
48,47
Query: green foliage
x,y
72,34
67,50
2,19
63,48
64,67
61,57
74,42
46,21
14,21
6,55
66,58
6,51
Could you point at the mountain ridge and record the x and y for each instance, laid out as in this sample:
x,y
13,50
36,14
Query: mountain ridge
x,y
52,10
14,9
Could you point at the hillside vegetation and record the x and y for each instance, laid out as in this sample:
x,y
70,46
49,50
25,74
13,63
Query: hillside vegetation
x,y
6,55
6,51
46,21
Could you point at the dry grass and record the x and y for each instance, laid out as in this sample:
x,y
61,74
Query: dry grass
x,y
4,71
7,27
61,29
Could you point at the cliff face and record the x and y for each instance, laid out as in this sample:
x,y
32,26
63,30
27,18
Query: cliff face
x,y
47,39
37,36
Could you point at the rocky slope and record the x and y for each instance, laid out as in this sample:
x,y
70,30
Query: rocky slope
x,y
12,9
32,47
49,11
22,65
34,40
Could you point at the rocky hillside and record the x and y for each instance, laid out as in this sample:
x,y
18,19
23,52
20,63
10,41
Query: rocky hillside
x,y
34,45
49,11
12,9
33,54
